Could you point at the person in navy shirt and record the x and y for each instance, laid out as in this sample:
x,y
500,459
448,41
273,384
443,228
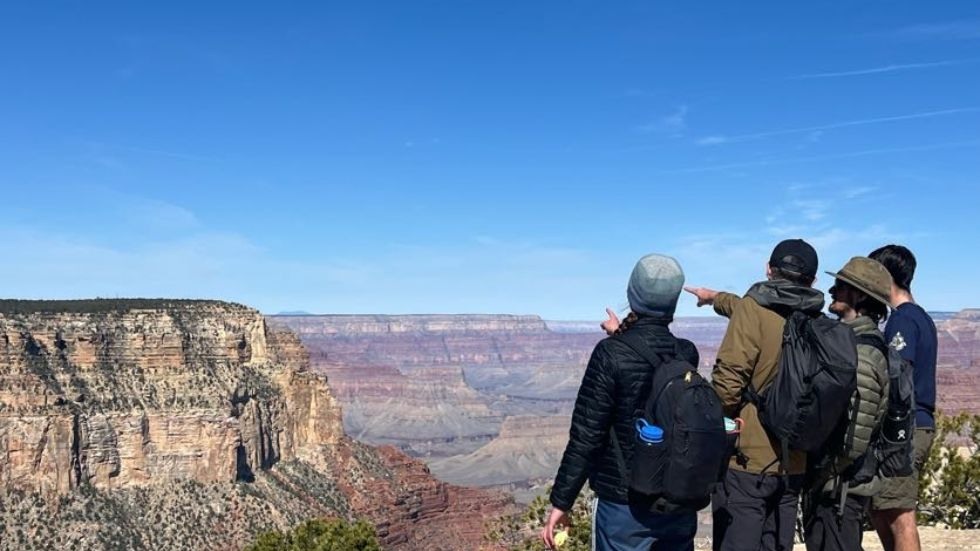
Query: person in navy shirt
x,y
912,333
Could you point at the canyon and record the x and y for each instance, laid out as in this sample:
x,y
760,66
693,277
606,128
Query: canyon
x,y
486,400
171,424
168,424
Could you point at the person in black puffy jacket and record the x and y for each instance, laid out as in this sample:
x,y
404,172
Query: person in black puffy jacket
x,y
616,382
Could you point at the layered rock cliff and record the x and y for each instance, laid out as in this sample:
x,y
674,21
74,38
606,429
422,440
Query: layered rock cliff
x,y
527,452
190,424
958,373
441,385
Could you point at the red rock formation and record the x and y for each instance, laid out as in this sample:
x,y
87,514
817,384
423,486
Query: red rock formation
x,y
123,413
458,376
441,385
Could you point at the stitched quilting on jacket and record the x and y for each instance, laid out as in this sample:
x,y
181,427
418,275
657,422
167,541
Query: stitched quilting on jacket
x,y
868,406
616,382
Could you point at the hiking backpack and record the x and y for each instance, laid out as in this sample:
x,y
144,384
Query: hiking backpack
x,y
815,378
680,472
893,445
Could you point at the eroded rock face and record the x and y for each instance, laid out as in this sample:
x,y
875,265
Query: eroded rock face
x,y
527,451
134,397
958,373
200,417
439,386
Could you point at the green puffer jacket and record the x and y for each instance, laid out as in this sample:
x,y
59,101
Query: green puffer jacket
x,y
870,402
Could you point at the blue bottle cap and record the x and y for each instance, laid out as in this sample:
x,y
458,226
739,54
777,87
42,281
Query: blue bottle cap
x,y
648,432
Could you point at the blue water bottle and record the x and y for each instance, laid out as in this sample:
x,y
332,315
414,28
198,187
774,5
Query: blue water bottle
x,y
648,434
650,459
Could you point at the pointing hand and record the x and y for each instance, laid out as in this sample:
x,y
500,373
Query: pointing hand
x,y
612,324
705,295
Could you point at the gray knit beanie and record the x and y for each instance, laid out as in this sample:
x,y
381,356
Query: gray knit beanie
x,y
655,285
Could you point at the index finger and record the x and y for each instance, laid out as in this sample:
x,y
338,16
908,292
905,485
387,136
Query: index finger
x,y
692,290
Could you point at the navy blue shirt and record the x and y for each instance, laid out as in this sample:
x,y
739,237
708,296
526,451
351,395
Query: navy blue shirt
x,y
911,331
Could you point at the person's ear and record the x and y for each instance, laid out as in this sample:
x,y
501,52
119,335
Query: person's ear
x,y
768,271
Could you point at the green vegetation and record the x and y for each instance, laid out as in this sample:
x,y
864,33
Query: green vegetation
x,y
320,535
522,532
949,483
104,305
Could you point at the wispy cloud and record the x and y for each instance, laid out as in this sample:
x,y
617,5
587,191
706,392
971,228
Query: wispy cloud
x,y
853,193
712,140
719,139
883,69
484,274
812,210
964,29
673,123
847,155
160,215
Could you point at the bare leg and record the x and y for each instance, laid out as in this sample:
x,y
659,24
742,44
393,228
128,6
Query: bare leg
x,y
882,523
906,532
897,529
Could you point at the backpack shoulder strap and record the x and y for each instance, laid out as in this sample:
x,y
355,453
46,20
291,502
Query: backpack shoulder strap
x,y
638,345
872,339
752,393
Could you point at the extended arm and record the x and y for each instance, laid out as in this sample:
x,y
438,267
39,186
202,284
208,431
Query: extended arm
x,y
737,357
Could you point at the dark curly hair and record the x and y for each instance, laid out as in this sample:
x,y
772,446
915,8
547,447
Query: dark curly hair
x,y
627,322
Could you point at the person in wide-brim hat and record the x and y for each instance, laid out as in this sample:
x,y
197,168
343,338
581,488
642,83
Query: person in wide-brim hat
x,y
830,522
867,276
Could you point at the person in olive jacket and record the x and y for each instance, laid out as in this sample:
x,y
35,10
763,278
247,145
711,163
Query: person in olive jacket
x,y
616,382
756,504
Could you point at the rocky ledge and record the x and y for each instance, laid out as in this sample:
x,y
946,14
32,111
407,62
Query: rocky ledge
x,y
142,424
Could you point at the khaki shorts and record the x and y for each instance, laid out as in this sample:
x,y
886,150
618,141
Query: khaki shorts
x,y
903,492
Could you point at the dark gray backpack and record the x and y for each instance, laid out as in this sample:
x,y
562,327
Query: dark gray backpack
x,y
816,376
681,472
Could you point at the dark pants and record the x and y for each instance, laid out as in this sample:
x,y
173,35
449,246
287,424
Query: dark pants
x,y
755,512
826,531
624,528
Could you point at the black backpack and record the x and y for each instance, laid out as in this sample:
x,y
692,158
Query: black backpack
x,y
681,472
815,378
893,443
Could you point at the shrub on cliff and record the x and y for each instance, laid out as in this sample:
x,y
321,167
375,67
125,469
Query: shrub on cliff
x,y
522,532
320,535
949,483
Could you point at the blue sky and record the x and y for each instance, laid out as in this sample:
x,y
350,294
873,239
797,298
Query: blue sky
x,y
460,156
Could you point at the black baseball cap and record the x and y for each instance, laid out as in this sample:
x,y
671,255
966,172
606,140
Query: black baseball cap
x,y
796,256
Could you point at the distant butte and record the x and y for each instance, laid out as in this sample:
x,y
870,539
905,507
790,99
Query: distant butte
x,y
471,395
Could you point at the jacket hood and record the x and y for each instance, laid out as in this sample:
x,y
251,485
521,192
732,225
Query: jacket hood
x,y
785,297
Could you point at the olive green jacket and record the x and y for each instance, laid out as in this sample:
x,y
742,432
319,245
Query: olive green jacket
x,y
868,406
750,353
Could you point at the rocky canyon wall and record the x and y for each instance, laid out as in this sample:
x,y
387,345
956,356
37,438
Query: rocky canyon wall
x,y
485,400
163,424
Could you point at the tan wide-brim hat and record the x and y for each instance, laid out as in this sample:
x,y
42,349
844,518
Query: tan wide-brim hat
x,y
868,276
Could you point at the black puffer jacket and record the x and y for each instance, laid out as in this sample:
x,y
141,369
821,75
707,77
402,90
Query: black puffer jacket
x,y
616,383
